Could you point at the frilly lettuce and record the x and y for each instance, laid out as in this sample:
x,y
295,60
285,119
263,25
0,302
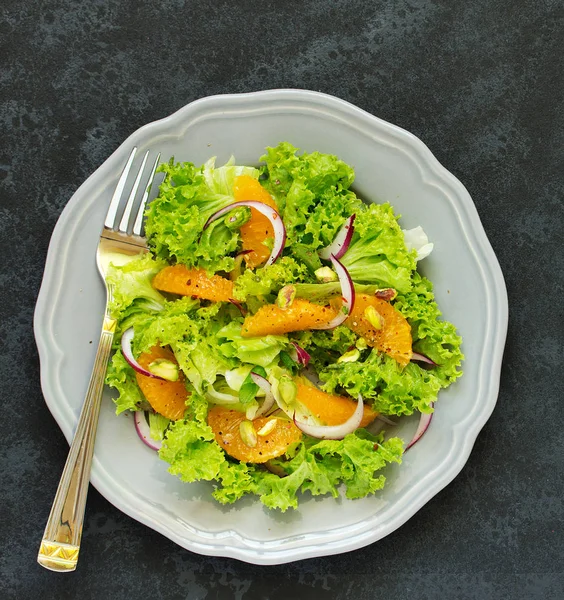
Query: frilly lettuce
x,y
266,281
132,287
432,336
158,426
318,468
393,390
377,253
257,351
325,346
191,451
121,377
187,197
312,193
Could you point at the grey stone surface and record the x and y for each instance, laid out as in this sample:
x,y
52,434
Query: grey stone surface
x,y
481,82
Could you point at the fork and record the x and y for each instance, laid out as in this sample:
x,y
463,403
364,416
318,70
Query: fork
x,y
119,241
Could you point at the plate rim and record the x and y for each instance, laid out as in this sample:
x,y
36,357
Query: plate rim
x,y
490,272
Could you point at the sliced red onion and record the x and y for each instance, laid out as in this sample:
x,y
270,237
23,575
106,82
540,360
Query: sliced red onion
x,y
421,357
241,308
302,357
347,293
341,242
265,386
262,382
144,431
424,423
270,213
334,432
266,405
126,339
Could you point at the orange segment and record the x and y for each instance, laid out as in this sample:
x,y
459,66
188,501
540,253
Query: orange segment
x,y
258,227
393,338
225,425
331,410
270,319
178,279
165,397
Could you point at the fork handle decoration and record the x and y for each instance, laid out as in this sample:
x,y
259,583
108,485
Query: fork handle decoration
x,y
61,541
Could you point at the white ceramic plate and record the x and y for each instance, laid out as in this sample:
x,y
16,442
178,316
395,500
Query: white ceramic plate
x,y
391,165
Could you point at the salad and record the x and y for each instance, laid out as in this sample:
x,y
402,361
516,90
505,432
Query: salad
x,y
276,325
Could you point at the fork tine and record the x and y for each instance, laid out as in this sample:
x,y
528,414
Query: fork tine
x,y
139,220
129,206
114,204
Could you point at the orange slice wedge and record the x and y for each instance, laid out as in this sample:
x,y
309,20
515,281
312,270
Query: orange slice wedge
x,y
168,398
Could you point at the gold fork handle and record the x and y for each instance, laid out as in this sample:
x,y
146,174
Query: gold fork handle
x,y
61,540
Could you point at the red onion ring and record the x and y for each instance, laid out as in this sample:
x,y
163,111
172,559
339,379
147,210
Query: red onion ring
x,y
341,242
265,386
424,423
270,213
302,357
126,339
347,293
266,405
334,432
144,431
416,356
262,382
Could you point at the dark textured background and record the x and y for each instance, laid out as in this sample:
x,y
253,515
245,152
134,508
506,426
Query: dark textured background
x,y
481,84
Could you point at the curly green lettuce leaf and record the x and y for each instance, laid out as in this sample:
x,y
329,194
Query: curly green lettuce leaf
x,y
187,197
361,455
191,451
190,331
312,193
121,377
237,480
197,409
321,171
266,281
158,426
306,471
377,253
432,336
260,351
317,467
393,389
131,280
